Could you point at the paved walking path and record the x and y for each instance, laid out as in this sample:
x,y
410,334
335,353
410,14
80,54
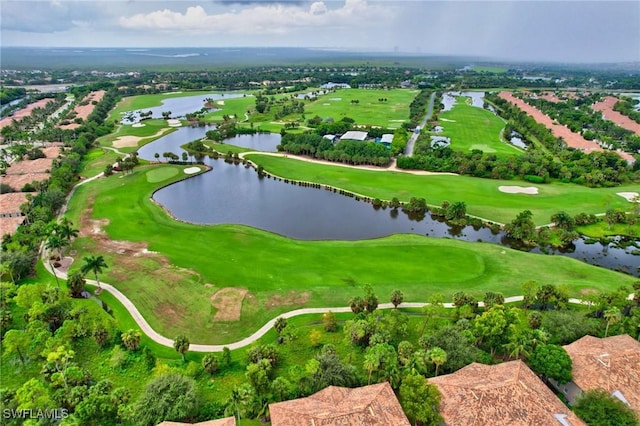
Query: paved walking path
x,y
162,340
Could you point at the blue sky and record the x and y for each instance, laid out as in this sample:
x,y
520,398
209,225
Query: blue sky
x,y
556,31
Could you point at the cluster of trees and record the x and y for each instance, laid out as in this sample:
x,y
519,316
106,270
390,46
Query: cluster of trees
x,y
417,109
9,94
351,152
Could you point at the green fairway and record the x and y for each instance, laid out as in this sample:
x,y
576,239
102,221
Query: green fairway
x,y
481,196
236,107
471,128
151,130
171,270
369,110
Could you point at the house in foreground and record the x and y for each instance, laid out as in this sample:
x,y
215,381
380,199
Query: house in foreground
x,y
503,394
611,364
374,405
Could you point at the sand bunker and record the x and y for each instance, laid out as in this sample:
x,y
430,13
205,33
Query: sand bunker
x,y
220,102
335,99
531,190
138,125
228,303
446,119
126,141
191,170
173,122
630,196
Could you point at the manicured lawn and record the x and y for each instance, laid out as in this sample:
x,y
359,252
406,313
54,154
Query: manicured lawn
x,y
96,160
602,229
481,196
236,107
471,128
173,288
369,110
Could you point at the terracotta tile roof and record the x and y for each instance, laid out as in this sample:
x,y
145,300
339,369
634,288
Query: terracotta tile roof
x,y
227,421
611,364
368,405
11,202
502,394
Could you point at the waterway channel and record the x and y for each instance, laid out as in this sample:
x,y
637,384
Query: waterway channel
x,y
234,194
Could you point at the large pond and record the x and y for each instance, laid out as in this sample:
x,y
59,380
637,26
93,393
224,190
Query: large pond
x,y
449,99
235,194
180,106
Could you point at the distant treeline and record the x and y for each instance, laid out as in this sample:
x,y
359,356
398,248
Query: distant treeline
x,y
8,94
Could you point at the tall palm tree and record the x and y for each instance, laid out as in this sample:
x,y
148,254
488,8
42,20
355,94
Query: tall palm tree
x,y
437,356
612,316
66,231
55,243
94,264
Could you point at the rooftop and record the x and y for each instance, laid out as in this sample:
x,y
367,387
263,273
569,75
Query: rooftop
x,y
354,135
611,364
503,394
368,405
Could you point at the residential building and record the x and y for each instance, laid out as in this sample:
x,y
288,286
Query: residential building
x,y
354,135
611,364
374,405
503,394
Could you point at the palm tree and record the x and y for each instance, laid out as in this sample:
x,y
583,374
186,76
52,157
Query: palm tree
x,y
54,242
437,356
371,362
66,231
94,264
612,316
76,284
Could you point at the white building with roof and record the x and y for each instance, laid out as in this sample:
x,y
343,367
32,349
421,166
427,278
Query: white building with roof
x,y
354,135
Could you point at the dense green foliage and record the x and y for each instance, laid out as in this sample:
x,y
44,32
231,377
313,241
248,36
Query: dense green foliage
x,y
598,408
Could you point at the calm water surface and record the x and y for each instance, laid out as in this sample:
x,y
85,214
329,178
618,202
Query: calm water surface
x,y
233,194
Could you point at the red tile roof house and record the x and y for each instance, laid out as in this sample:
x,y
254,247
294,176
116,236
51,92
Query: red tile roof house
x,y
374,405
227,421
499,395
611,364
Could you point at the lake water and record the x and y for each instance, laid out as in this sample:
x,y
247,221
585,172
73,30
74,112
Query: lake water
x,y
180,106
234,194
449,99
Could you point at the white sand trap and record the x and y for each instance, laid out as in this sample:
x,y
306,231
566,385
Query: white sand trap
x,y
138,125
446,119
335,99
531,190
220,102
326,104
174,122
191,170
630,196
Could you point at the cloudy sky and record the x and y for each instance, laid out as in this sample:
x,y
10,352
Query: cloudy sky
x,y
558,31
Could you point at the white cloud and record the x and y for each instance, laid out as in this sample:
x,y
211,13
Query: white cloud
x,y
261,19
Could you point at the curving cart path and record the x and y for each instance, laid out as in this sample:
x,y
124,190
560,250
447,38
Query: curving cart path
x,y
162,340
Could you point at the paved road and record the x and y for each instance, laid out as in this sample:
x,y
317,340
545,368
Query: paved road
x,y
414,136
